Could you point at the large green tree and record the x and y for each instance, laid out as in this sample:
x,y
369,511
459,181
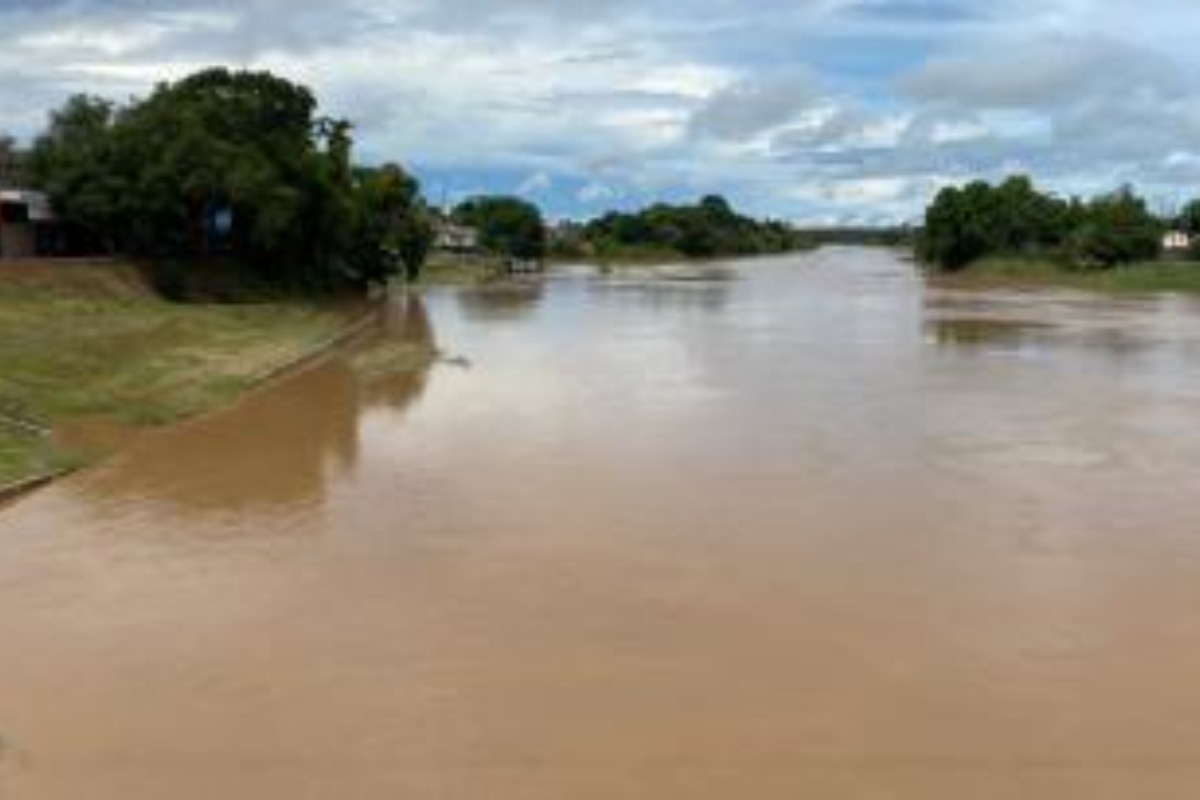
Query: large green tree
x,y
392,225
507,226
979,219
221,162
10,160
75,161
1189,218
1117,228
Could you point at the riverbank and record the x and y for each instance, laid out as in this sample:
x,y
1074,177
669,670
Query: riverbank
x,y
94,343
1143,278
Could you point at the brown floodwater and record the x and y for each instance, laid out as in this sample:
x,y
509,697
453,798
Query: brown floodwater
x,y
805,527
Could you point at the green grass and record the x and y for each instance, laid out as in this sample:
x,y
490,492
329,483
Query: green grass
x,y
1145,278
21,456
72,350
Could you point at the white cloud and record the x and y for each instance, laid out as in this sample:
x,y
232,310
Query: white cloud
x,y
833,108
753,106
595,192
536,183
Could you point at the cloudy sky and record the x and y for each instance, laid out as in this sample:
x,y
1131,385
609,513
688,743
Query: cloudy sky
x,y
812,110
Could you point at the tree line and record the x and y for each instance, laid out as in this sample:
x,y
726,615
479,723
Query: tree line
x,y
704,229
241,167
1014,218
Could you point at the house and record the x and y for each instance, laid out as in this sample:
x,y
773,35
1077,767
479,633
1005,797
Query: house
x,y
454,238
27,224
1176,242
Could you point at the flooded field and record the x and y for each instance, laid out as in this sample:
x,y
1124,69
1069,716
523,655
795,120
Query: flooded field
x,y
802,528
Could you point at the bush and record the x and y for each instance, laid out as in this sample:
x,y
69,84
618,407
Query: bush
x,y
979,220
705,229
964,225
1117,229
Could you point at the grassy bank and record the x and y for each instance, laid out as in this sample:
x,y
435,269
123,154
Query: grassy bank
x,y
95,343
24,456
1145,278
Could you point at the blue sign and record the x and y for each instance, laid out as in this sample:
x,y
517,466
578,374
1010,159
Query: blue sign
x,y
222,222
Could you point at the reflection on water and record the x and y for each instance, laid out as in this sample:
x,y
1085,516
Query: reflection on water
x,y
303,432
505,301
210,464
816,531
967,331
706,291
1050,322
398,377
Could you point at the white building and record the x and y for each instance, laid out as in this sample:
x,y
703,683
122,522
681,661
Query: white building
x,y
1176,241
457,238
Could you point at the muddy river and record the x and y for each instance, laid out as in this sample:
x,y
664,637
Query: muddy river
x,y
808,528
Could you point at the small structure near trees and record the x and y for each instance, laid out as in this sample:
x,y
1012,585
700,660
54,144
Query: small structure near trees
x,y
28,227
458,239
1176,242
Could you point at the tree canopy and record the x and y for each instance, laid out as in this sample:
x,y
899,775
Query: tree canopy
x,y
1189,218
708,228
965,224
227,162
508,226
1114,229
10,161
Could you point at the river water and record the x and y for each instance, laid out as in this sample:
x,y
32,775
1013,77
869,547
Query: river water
x,y
807,528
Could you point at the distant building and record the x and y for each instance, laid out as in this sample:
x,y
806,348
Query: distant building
x,y
1176,241
454,238
27,224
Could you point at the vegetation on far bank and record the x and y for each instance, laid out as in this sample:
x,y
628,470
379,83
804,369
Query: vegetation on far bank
x,y
1014,218
1013,233
508,227
128,356
705,229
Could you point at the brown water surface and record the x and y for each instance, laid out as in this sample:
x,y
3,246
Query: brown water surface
x,y
807,529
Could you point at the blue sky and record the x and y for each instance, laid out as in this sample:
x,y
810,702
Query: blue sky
x,y
819,111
